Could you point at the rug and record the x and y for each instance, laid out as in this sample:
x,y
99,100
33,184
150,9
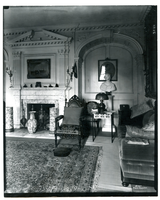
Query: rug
x,y
31,167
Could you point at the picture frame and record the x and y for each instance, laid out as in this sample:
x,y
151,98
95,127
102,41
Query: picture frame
x,y
35,56
38,69
112,67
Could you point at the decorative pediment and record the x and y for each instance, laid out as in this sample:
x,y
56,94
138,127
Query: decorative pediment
x,y
55,35
21,38
37,38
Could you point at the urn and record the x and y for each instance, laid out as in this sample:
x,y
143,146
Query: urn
x,y
32,123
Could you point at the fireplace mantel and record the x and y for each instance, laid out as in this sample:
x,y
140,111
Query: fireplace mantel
x,y
43,88
39,95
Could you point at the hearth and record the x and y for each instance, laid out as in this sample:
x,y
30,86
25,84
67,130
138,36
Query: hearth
x,y
42,114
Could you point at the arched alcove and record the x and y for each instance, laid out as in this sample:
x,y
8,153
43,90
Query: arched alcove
x,y
119,43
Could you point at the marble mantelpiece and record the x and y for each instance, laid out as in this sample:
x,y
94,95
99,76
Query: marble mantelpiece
x,y
39,95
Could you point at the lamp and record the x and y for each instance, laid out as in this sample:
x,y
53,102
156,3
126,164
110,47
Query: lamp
x,y
101,96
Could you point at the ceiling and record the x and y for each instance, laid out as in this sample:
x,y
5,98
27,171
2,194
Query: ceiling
x,y
57,16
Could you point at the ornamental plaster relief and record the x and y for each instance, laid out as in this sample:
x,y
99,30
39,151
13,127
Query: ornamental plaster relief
x,y
16,54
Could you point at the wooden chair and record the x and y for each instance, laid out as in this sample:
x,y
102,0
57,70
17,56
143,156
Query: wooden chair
x,y
71,124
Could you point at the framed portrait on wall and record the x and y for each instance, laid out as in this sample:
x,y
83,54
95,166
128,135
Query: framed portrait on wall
x,y
109,66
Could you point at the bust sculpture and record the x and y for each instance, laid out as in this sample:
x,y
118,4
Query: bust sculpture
x,y
107,86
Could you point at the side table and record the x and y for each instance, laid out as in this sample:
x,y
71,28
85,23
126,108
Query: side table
x,y
109,116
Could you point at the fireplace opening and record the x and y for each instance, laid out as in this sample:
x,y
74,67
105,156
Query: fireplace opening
x,y
41,115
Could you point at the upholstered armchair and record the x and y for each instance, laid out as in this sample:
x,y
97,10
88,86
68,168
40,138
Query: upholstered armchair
x,y
71,123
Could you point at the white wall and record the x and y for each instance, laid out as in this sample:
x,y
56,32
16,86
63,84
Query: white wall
x,y
130,84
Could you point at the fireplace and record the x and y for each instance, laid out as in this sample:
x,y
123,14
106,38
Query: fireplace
x,y
42,114
48,97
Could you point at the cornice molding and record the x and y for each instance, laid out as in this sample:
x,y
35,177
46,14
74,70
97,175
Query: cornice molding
x,y
62,29
38,43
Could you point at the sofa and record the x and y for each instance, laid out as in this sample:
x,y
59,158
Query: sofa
x,y
138,145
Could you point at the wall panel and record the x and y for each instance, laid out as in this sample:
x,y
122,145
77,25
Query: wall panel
x,y
126,92
91,70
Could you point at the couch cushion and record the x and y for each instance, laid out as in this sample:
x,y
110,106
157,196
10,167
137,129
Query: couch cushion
x,y
148,117
133,131
138,141
137,152
149,127
134,169
149,121
68,129
140,109
137,121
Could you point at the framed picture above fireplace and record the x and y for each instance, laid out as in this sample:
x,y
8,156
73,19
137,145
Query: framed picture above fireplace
x,y
38,68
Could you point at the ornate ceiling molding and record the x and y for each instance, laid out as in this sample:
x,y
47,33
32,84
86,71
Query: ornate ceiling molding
x,y
125,41
63,29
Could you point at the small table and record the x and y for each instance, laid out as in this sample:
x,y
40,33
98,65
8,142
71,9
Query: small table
x,y
96,130
106,115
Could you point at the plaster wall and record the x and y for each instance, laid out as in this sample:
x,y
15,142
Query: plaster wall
x,y
130,83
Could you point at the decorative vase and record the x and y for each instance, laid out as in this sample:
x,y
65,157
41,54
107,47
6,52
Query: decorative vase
x,y
53,115
9,119
23,121
32,123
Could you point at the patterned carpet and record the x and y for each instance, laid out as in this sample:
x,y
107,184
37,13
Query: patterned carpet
x,y
31,167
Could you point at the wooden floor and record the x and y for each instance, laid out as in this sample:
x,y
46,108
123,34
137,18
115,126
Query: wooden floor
x,y
110,180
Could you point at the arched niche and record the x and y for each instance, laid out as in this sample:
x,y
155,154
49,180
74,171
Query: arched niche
x,y
115,39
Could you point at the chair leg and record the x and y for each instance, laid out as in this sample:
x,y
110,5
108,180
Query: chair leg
x,y
56,140
97,128
79,140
